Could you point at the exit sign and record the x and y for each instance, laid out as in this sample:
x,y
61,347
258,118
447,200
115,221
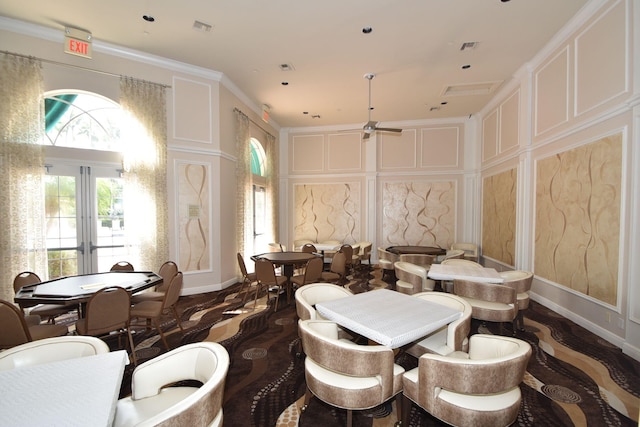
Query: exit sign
x,y
77,42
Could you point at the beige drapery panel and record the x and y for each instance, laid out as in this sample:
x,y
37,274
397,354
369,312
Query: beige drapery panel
x,y
22,227
272,186
244,205
145,173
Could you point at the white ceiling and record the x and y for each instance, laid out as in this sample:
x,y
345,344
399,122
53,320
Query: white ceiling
x,y
413,48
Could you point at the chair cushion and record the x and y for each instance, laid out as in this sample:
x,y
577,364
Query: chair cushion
x,y
485,402
131,412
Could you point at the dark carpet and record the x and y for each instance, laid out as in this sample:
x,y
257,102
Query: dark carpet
x,y
574,378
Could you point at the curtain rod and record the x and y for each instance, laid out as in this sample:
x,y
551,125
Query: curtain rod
x,y
236,109
62,64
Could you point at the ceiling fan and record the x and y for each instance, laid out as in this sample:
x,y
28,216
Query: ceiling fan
x,y
371,126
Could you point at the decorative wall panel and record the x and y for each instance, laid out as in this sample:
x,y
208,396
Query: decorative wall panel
x,y
328,212
418,213
194,214
192,110
578,218
499,216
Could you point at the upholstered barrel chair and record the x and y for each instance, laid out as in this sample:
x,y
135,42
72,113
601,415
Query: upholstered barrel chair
x,y
344,374
423,260
490,302
386,260
449,338
412,278
521,282
471,251
480,388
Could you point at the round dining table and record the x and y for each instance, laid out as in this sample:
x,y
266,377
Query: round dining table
x,y
288,260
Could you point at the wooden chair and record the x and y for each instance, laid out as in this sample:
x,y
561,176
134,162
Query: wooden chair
x,y
108,310
247,278
153,310
122,266
16,331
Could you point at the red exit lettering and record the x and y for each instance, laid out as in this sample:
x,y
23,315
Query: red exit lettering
x,y
77,46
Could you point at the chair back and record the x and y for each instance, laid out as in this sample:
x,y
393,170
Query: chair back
x,y
242,265
454,254
49,350
25,278
107,310
313,270
365,251
167,270
422,260
172,294
458,330
412,278
339,263
470,250
205,362
311,294
464,262
309,248
14,329
122,266
347,250
518,280
503,307
266,272
277,247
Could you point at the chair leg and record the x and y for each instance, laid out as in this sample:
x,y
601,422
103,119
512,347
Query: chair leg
x,y
132,347
399,408
175,314
349,418
156,322
406,409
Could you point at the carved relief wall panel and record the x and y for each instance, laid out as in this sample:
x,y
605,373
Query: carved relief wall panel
x,y
499,216
194,215
328,212
418,213
578,218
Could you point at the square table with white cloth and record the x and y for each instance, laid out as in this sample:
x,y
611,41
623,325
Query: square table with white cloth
x,y
463,272
75,392
388,317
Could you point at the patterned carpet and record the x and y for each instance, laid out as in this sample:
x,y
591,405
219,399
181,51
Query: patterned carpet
x,y
574,378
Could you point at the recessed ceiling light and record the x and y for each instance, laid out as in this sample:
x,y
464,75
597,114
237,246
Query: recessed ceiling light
x,y
284,83
367,30
148,18
466,67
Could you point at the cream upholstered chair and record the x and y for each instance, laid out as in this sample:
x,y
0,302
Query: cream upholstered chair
x,y
311,294
45,311
108,311
312,272
412,278
490,302
521,282
470,250
422,260
16,331
344,374
365,252
277,247
49,350
247,279
449,338
481,388
153,310
267,278
167,271
386,260
453,254
122,266
152,403
299,243
337,270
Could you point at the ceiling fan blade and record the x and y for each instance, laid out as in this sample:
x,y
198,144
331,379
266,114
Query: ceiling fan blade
x,y
389,130
366,136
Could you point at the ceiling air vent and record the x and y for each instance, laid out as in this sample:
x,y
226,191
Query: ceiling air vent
x,y
201,26
468,45
471,89
286,67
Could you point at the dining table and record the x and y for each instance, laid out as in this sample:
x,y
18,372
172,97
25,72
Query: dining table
x,y
388,317
417,249
463,272
77,290
287,259
74,392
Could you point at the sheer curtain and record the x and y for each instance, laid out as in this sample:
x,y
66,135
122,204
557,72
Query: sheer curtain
x,y
272,187
22,236
145,173
244,207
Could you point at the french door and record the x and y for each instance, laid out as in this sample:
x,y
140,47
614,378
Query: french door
x,y
84,211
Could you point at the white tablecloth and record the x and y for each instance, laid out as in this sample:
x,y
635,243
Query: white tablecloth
x,y
452,272
73,392
388,317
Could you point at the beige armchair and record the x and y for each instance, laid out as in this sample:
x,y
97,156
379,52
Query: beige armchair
x,y
470,250
344,374
490,302
386,260
412,278
480,389
309,295
365,252
152,403
450,338
422,260
521,282
49,350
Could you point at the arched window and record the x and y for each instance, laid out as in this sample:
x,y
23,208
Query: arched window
x,y
259,171
258,158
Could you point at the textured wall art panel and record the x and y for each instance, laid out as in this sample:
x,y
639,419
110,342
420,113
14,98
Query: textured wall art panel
x,y
418,213
499,216
193,216
578,218
328,212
